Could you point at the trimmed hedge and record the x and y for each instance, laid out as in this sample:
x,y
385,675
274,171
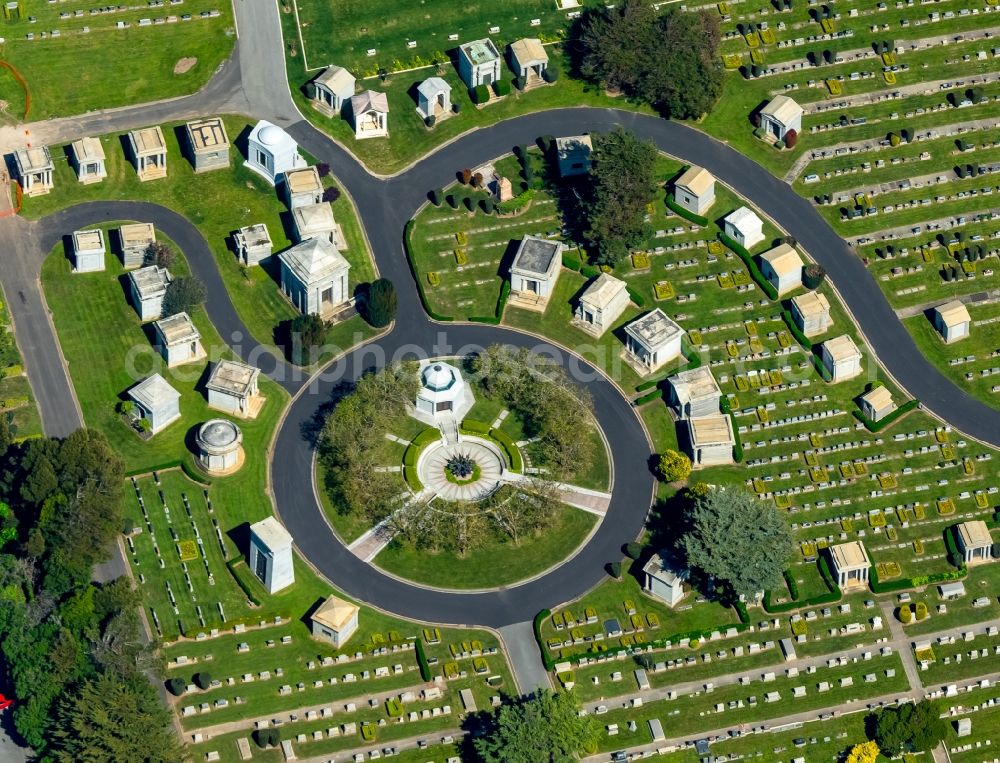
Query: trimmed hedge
x,y
411,479
572,263
748,260
916,582
821,369
407,231
832,595
677,209
726,408
473,426
878,426
636,297
547,660
954,556
247,591
656,394
589,271
802,339
494,320
425,668
510,449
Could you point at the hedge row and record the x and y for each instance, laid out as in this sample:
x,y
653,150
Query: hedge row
x,y
510,449
474,427
537,625
692,355
407,232
878,426
247,590
796,332
411,479
821,368
636,297
833,592
425,668
571,263
677,209
158,468
916,582
727,409
748,260
497,316
656,394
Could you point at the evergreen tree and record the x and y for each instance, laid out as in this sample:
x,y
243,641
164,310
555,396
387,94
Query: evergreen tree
x,y
540,727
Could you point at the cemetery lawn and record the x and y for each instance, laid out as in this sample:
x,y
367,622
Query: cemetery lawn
x,y
218,203
17,402
983,341
108,67
496,563
100,333
409,139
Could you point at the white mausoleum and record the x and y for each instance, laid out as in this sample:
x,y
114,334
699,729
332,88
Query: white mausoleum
x,y
712,439
850,564
156,401
601,304
811,313
134,239
975,542
744,227
253,244
781,115
220,446
535,269
952,321
88,160
148,286
665,579
178,340
479,63
314,277
652,341
149,153
271,152
877,403
573,155
782,267
694,393
34,170
841,357
433,98
335,621
303,187
443,393
271,554
88,251
334,89
695,190
232,387
370,114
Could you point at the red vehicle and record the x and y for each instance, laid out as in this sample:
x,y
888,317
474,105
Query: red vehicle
x,y
5,703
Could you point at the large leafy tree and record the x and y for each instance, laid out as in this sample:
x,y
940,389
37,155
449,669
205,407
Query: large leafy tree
x,y
623,182
909,728
542,727
669,61
183,295
737,539
114,718
380,305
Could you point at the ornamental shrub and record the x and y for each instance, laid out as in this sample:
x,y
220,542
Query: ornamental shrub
x,y
429,120
479,94
615,570
202,680
551,73
501,87
905,614
176,686
632,550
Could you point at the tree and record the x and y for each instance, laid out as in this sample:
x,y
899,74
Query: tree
x,y
331,193
114,718
380,305
673,466
158,253
176,686
202,680
614,569
436,197
813,275
632,550
306,333
623,182
543,726
739,540
791,138
669,61
866,752
909,728
183,295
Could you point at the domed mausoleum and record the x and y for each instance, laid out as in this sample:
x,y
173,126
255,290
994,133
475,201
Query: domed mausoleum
x,y
220,446
443,393
271,152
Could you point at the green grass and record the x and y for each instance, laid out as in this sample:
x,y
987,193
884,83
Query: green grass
x,y
983,340
385,26
108,351
497,563
107,67
218,203
17,402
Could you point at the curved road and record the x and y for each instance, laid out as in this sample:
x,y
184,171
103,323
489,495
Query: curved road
x,y
385,205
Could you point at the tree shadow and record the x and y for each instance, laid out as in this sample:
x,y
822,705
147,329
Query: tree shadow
x,y
312,428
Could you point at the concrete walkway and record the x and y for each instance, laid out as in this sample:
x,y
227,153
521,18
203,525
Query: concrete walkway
x,y
525,659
